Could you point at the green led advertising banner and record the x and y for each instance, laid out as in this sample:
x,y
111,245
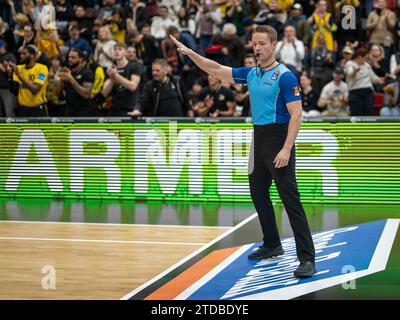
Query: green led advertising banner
x,y
336,162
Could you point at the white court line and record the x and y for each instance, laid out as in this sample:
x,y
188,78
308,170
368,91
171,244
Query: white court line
x,y
105,241
148,283
115,224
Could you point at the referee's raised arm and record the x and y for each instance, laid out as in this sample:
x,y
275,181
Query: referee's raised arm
x,y
223,73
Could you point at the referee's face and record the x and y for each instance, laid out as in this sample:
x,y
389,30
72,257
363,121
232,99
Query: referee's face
x,y
263,47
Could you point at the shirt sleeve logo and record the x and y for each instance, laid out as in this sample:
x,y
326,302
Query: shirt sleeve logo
x,y
296,91
41,76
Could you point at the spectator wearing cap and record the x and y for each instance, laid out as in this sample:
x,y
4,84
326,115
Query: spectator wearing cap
x,y
347,54
136,15
7,99
290,51
161,23
103,54
360,79
76,81
299,21
122,83
76,41
28,81
380,25
334,96
235,13
309,97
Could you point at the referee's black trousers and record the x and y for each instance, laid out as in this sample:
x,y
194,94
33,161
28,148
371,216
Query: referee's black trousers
x,y
268,140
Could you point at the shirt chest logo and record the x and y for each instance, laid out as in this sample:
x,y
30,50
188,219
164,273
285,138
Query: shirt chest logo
x,y
275,75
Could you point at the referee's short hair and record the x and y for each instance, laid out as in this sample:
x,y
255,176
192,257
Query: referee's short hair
x,y
270,31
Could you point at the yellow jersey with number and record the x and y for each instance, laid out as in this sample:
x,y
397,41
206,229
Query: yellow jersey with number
x,y
37,74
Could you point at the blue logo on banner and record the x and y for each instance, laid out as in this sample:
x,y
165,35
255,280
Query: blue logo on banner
x,y
335,249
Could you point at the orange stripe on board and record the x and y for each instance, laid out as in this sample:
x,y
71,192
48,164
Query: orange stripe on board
x,y
183,281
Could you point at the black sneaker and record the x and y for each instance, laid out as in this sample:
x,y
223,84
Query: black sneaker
x,y
265,253
305,270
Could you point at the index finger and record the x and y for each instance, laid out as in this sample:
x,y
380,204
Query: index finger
x,y
177,43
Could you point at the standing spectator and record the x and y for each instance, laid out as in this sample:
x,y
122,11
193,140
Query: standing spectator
x,y
75,41
380,25
7,99
184,63
309,97
290,51
347,54
173,7
28,37
185,22
77,83
334,96
123,83
103,54
321,65
216,100
207,20
360,79
164,95
136,15
29,82
83,22
235,14
380,65
322,23
147,49
161,23
116,23
249,27
106,11
233,49
299,21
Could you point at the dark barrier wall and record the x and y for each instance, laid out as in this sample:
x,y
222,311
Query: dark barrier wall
x,y
348,160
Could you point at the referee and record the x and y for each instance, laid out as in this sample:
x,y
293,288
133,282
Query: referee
x,y
276,112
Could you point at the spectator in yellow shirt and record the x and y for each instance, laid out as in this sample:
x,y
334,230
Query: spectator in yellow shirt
x,y
29,81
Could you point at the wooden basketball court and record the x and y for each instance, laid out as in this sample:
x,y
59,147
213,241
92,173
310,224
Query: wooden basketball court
x,y
91,261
